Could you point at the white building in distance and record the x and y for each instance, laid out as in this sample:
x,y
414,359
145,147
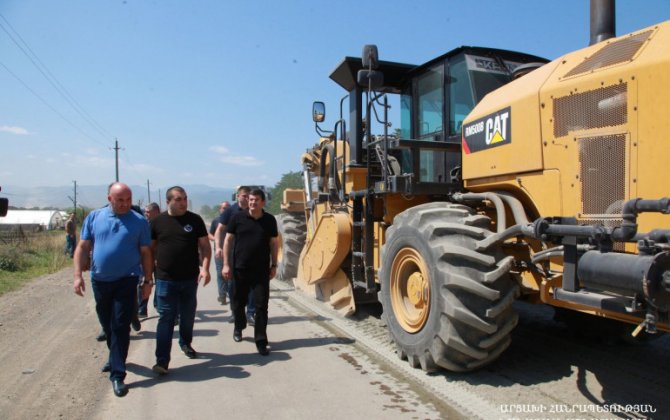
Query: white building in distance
x,y
35,219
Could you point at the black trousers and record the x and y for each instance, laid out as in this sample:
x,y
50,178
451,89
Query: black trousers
x,y
256,281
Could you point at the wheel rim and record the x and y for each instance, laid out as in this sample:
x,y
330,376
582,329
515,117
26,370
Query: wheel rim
x,y
410,290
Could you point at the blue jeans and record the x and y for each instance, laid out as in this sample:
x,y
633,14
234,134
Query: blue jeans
x,y
114,306
174,297
223,284
70,245
141,303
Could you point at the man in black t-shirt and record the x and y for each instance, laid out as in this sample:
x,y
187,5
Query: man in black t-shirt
x,y
252,237
242,205
179,241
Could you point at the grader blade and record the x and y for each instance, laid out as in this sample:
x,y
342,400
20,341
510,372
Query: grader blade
x,y
319,273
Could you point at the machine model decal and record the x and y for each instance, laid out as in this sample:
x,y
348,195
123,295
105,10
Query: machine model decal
x,y
491,131
490,65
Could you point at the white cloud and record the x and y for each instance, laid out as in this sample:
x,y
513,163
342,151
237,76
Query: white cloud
x,y
236,160
241,160
19,131
219,149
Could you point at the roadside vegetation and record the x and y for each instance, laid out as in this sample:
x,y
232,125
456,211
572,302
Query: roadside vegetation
x,y
26,256
288,180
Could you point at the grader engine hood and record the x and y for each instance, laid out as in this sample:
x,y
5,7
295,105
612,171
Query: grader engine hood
x,y
587,129
502,134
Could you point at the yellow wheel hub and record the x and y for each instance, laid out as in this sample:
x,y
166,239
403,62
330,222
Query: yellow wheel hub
x,y
410,290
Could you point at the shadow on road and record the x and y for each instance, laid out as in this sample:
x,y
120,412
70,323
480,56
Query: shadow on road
x,y
606,371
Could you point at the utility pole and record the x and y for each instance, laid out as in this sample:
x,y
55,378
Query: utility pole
x,y
148,193
116,150
74,200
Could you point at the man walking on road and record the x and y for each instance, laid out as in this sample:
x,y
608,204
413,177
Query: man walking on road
x,y
179,241
223,284
122,245
70,235
242,205
252,237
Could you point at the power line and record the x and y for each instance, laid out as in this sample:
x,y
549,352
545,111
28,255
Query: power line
x,y
49,76
76,127
39,65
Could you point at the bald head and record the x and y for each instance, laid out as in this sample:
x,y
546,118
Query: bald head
x,y
120,197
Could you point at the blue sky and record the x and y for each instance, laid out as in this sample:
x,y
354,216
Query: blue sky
x,y
219,92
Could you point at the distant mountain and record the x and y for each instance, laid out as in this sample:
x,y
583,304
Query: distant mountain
x,y
96,196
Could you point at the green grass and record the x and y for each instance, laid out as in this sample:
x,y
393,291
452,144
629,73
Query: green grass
x,y
38,254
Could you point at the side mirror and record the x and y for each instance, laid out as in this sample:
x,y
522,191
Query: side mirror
x,y
318,112
370,57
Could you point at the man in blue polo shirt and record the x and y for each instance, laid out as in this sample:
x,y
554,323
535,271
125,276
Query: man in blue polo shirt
x,y
122,249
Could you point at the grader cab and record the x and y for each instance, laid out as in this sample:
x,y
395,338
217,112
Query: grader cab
x,y
510,177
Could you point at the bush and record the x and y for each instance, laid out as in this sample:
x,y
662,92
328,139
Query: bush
x,y
8,264
33,256
10,259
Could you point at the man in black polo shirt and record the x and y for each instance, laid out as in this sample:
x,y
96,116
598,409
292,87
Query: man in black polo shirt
x,y
179,241
252,236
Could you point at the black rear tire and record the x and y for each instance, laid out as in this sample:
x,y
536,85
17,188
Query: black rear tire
x,y
292,233
446,305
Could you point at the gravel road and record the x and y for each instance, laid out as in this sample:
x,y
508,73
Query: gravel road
x,y
50,364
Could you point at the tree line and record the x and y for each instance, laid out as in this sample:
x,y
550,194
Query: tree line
x,y
288,180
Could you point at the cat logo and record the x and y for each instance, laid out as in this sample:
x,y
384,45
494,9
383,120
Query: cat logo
x,y
491,131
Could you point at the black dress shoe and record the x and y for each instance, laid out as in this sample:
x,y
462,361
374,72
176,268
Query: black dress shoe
x,y
160,369
188,351
262,349
102,336
237,336
135,323
106,368
120,389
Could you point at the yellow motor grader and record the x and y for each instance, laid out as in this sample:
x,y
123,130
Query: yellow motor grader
x,y
511,177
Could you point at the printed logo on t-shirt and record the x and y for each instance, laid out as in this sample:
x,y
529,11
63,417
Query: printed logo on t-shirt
x,y
188,228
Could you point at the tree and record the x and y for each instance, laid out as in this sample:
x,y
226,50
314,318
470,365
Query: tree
x,y
288,180
209,212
